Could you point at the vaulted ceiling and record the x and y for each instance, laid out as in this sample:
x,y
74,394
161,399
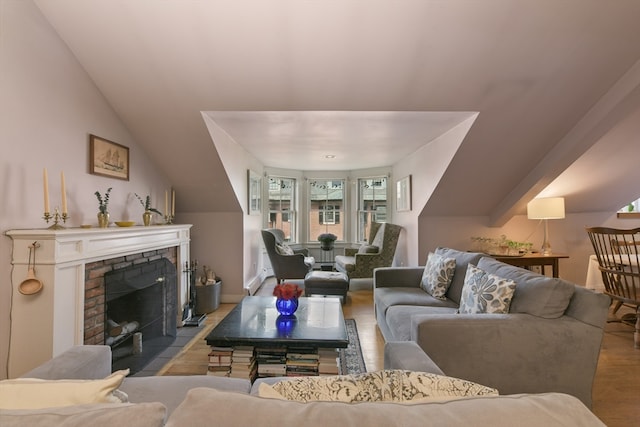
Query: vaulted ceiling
x,y
556,84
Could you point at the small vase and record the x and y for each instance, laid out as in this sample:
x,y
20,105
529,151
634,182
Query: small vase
x,y
103,219
146,218
286,307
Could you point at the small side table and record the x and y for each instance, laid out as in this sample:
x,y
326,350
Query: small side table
x,y
529,260
327,259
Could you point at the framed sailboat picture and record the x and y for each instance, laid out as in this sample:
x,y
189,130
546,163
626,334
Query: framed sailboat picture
x,y
108,158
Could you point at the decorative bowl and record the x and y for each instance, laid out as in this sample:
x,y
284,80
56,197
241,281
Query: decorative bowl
x,y
125,223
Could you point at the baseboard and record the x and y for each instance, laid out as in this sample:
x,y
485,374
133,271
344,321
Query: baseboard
x,y
253,286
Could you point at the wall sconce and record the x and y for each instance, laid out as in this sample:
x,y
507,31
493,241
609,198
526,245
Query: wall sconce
x,y
546,208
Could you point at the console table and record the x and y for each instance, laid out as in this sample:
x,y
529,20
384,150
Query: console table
x,y
529,260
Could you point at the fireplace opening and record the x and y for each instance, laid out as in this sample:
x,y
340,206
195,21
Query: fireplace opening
x,y
140,312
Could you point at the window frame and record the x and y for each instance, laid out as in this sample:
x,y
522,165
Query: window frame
x,y
286,215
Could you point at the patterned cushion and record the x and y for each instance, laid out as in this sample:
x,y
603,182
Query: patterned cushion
x,y
485,293
437,275
284,249
388,385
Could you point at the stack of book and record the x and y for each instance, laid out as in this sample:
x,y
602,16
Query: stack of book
x,y
328,361
243,363
302,362
272,361
220,361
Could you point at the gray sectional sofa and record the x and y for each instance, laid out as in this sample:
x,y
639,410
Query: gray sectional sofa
x,y
549,341
202,400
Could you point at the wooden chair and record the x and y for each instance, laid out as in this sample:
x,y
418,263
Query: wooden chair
x,y
619,263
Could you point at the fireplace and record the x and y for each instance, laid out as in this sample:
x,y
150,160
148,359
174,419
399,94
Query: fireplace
x,y
70,308
140,307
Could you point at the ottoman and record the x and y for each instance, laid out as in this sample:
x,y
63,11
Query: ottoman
x,y
326,283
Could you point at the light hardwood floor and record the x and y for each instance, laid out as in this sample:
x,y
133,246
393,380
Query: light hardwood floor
x,y
616,390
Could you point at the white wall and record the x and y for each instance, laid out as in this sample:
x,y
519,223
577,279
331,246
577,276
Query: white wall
x,y
48,107
426,165
215,243
247,265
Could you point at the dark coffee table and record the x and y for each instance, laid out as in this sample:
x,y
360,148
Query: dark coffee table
x,y
318,323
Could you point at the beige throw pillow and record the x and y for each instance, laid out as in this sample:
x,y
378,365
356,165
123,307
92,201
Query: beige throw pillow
x,y
33,393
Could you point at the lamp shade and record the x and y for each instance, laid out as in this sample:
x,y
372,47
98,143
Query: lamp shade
x,y
546,208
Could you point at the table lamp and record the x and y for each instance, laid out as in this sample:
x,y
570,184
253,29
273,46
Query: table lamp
x,y
545,209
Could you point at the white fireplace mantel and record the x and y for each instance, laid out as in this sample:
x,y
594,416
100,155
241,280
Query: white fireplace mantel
x,y
47,323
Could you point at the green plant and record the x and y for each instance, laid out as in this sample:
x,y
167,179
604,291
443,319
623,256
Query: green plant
x,y
147,204
103,203
327,237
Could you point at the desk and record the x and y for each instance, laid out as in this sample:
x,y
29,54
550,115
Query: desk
x,y
529,260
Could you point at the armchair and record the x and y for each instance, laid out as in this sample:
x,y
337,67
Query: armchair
x,y
286,262
379,253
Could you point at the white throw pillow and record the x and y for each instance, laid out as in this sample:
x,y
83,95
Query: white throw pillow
x,y
34,393
437,275
485,293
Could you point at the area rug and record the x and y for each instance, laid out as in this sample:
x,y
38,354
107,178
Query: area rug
x,y
350,358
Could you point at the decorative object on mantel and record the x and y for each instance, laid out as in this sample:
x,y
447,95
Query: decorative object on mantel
x,y
326,241
57,216
103,204
125,223
146,216
287,295
31,285
168,217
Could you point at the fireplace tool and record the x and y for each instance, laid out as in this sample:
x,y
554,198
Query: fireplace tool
x,y
189,316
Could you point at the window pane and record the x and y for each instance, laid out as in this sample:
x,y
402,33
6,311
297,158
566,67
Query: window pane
x,y
326,207
281,205
372,204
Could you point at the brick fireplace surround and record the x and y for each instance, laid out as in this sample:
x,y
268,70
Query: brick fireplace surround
x,y
94,296
69,262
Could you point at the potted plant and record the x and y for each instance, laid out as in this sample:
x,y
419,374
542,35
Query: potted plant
x,y
103,204
146,216
326,241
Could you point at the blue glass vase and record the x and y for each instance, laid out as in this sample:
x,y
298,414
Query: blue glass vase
x,y
286,307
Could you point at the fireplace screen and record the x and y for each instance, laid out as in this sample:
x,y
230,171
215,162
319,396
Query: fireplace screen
x,y
140,312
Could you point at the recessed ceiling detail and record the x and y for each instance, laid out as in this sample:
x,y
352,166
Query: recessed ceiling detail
x,y
302,139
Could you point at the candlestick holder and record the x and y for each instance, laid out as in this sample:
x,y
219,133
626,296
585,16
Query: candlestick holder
x,y
168,219
57,216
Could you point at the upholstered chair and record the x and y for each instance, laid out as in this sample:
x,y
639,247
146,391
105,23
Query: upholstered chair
x,y
286,262
379,252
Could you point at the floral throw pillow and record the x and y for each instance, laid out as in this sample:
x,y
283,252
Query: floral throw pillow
x,y
284,249
437,275
485,293
380,386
